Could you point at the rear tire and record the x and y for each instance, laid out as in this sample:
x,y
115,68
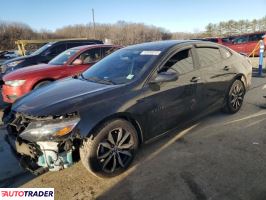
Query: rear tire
x,y
41,84
112,149
235,97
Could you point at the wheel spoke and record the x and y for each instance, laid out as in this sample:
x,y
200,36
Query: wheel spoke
x,y
127,153
234,104
107,161
124,138
106,145
120,160
120,133
114,163
233,100
125,146
105,155
238,104
110,138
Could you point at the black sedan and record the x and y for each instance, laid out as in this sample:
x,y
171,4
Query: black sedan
x,y
130,97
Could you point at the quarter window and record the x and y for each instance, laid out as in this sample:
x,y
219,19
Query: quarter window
x,y
225,53
208,56
181,62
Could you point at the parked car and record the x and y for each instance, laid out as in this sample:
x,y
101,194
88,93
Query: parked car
x,y
71,62
128,98
6,55
42,55
243,44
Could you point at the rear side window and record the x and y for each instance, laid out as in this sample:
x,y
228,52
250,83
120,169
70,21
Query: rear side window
x,y
108,50
208,56
225,53
181,62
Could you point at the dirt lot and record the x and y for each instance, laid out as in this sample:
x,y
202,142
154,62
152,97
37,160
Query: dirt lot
x,y
220,157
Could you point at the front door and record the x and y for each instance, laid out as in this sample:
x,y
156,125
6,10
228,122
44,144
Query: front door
x,y
175,101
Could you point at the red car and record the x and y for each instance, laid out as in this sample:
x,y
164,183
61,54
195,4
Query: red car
x,y
70,62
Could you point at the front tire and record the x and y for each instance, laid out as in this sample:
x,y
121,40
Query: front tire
x,y
112,149
235,97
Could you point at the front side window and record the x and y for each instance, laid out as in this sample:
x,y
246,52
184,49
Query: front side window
x,y
181,62
63,57
42,49
121,67
90,56
208,56
57,49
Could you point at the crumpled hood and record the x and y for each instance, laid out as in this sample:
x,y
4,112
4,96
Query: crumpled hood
x,y
60,97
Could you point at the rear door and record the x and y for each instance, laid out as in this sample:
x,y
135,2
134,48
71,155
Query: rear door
x,y
216,73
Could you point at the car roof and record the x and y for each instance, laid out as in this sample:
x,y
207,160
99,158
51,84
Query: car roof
x,y
84,47
165,44
76,41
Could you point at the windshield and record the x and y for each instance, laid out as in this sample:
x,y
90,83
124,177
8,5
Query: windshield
x,y
63,57
121,66
42,49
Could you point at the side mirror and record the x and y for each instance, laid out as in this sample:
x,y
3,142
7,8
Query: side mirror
x,y
77,62
165,77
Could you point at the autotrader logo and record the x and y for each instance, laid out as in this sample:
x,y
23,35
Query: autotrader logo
x,y
27,193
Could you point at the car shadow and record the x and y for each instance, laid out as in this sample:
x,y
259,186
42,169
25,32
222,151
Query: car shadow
x,y
185,163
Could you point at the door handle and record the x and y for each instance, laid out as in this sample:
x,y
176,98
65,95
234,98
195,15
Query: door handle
x,y
195,79
226,68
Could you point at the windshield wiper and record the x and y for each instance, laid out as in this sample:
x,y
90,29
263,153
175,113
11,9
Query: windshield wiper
x,y
98,80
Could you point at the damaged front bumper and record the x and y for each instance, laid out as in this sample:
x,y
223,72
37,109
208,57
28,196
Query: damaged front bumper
x,y
44,143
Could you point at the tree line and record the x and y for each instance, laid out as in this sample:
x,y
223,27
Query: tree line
x,y
123,33
232,27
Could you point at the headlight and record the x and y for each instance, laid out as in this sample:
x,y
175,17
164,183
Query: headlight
x,y
15,83
48,130
14,63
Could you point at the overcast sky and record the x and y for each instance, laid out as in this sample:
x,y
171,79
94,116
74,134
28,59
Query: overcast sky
x,y
173,15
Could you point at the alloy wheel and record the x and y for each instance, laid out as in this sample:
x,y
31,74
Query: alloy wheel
x,y
237,96
115,152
